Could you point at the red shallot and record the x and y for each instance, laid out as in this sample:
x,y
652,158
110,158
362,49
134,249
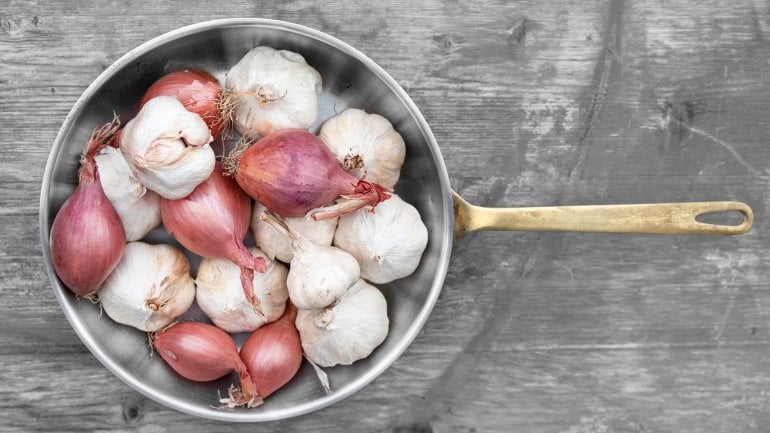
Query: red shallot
x,y
212,222
199,92
201,352
293,173
87,236
273,353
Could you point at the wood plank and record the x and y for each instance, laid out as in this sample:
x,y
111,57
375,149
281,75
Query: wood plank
x,y
532,103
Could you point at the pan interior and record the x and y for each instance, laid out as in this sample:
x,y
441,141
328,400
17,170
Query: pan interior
x,y
349,80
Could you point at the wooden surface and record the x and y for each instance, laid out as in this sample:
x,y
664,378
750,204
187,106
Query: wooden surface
x,y
532,103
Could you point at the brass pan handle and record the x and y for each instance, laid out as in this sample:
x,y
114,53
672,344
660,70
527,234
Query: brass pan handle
x,y
659,218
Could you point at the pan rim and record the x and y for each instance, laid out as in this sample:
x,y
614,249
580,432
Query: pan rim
x,y
170,400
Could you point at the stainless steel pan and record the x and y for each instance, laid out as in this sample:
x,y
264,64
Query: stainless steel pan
x,y
350,80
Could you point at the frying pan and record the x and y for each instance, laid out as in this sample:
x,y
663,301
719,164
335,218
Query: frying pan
x,y
350,79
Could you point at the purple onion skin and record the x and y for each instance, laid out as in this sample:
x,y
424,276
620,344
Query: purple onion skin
x,y
87,236
292,172
213,220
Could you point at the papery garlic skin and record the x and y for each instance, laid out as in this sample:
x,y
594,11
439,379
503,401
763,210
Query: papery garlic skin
x,y
388,243
366,145
278,247
274,90
346,331
318,274
150,287
220,296
168,148
137,207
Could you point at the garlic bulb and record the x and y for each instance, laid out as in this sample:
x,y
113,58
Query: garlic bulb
x,y
219,293
150,287
318,274
277,246
138,208
168,148
388,243
273,90
346,331
366,145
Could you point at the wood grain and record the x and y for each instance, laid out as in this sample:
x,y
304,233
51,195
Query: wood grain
x,y
532,103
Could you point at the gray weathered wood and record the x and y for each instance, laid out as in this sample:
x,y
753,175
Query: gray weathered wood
x,y
532,103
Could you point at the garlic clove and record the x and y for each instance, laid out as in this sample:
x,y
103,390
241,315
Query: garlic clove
x,y
387,243
137,207
220,296
168,148
347,331
318,274
274,90
150,287
366,145
278,247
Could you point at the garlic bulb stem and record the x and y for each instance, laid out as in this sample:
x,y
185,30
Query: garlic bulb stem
x,y
276,246
325,318
282,228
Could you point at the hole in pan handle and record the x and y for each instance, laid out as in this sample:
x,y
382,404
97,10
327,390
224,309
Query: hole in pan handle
x,y
652,218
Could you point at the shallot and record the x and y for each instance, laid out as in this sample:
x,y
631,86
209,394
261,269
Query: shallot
x,y
87,237
201,352
212,222
293,173
273,353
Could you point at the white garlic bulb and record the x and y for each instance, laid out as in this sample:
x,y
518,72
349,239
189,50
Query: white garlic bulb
x,y
168,148
150,287
276,246
346,331
388,243
274,89
366,145
219,293
318,274
137,207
